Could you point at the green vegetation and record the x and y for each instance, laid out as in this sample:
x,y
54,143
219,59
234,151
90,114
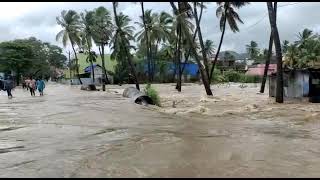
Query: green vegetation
x,y
303,53
31,57
153,94
234,76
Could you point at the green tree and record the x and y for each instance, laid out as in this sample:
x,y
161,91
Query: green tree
x,y
209,48
252,50
102,33
121,41
226,11
70,22
91,58
86,37
178,12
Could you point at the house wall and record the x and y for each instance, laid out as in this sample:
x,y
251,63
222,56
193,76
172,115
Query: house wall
x,y
296,85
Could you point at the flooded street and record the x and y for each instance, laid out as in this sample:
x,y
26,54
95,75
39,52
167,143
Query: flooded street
x,y
235,133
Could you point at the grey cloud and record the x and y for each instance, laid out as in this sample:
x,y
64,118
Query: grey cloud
x,y
41,22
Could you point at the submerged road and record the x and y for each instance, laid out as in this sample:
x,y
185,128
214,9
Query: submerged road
x,y
73,133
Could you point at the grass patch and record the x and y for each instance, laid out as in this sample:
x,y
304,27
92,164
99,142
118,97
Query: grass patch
x,y
153,94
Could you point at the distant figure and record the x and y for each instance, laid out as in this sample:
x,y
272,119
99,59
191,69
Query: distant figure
x,y
40,86
24,85
27,81
7,85
32,86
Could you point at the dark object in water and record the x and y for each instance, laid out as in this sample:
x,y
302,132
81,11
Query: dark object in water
x,y
90,87
137,96
314,99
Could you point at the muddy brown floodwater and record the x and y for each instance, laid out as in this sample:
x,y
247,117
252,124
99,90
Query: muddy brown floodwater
x,y
235,133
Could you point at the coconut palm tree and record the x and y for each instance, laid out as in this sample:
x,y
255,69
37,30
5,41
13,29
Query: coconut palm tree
x,y
87,19
102,33
209,48
276,38
121,41
180,13
158,30
252,49
285,45
91,58
147,40
268,57
202,45
303,37
70,22
226,11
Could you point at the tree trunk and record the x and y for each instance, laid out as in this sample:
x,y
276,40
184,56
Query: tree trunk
x,y
204,76
130,62
220,43
92,68
204,55
147,44
103,69
266,68
69,65
178,59
193,40
275,34
77,65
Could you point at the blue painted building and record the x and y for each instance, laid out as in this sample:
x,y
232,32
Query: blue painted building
x,y
190,69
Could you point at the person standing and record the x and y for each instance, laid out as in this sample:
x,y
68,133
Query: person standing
x,y
27,81
7,85
32,86
40,86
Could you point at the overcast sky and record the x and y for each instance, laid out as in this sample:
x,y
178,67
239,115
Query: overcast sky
x,y
38,19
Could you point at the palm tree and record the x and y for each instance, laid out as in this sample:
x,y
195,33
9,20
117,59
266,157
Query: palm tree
x,y
291,56
92,57
157,31
269,54
276,38
188,52
181,30
88,22
121,41
147,41
209,48
285,45
226,12
70,22
202,45
102,33
303,37
252,49
178,13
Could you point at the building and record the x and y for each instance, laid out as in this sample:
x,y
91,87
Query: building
x,y
258,70
298,84
98,74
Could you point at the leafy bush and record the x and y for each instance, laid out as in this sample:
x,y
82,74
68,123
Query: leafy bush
x,y
250,79
153,94
232,76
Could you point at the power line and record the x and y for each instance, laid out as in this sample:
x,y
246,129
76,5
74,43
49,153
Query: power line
x,y
265,15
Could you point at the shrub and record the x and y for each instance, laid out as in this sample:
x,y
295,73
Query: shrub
x,y
153,94
232,76
250,79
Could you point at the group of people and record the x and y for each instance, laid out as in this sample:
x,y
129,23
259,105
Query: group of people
x,y
33,85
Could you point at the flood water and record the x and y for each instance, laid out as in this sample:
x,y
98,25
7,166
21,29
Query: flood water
x,y
237,133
